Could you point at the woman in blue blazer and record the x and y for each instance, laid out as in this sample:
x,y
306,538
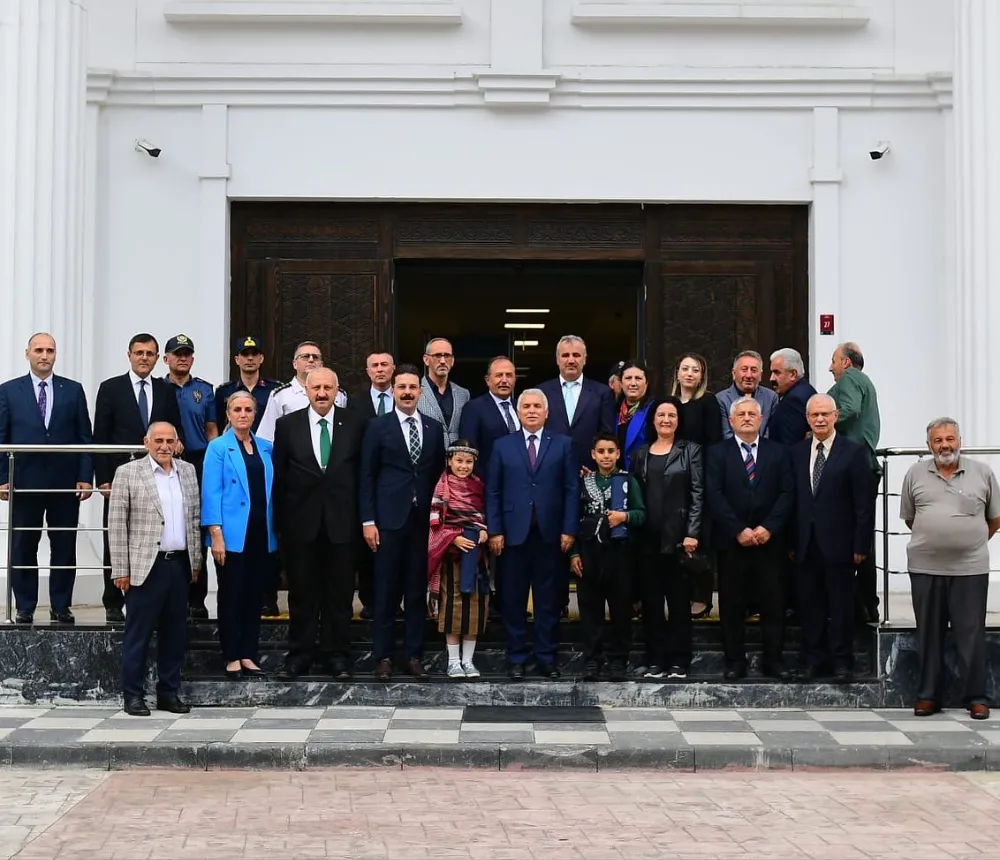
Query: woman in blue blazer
x,y
237,510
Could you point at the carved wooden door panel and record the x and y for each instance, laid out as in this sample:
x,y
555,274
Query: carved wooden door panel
x,y
332,302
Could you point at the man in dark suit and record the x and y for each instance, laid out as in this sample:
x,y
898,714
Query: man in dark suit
x,y
126,406
532,515
44,409
317,453
578,407
788,421
835,518
492,415
402,459
750,493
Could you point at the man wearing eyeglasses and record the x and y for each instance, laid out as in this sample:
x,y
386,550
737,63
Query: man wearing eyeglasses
x,y
292,396
441,399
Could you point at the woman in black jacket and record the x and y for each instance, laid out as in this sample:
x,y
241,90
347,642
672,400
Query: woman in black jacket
x,y
701,418
669,471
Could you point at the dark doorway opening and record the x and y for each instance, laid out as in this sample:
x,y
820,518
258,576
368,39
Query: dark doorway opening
x,y
521,309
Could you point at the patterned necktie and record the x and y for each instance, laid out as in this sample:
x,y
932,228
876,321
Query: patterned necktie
x,y
508,417
43,400
381,403
532,451
818,466
143,403
749,463
569,398
324,443
414,440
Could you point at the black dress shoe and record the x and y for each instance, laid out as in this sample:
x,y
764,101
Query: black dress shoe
x,y
340,671
735,671
136,708
24,618
516,672
383,671
842,675
233,674
172,704
778,671
255,674
65,617
114,616
270,612
548,670
198,613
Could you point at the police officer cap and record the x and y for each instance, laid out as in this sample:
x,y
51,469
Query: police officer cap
x,y
246,343
179,342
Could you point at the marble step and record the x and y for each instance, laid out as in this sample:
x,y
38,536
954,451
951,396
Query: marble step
x,y
707,663
669,694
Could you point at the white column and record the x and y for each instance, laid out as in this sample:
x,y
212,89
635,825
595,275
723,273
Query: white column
x,y
975,303
42,102
824,236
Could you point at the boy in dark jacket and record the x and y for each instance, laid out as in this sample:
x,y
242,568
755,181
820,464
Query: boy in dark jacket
x,y
611,509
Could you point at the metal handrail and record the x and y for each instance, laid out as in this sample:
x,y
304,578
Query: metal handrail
x,y
885,455
12,492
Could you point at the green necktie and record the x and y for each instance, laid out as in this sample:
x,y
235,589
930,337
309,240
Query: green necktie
x,y
324,443
381,403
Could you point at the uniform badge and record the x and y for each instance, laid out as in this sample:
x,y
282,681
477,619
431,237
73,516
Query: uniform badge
x,y
197,396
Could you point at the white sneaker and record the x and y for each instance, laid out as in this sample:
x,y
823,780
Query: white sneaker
x,y
455,670
470,670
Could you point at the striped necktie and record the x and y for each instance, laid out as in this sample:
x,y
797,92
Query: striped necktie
x,y
749,464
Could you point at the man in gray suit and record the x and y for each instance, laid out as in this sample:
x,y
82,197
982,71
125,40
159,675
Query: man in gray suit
x,y
154,518
440,399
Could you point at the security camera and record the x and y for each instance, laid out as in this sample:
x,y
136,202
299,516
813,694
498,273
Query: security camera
x,y
154,151
881,148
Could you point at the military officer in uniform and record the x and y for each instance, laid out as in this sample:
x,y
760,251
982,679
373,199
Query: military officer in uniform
x,y
248,358
196,402
292,396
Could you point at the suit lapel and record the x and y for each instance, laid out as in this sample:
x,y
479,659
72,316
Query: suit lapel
x,y
543,446
832,457
557,404
304,432
146,476
236,458
430,401
129,393
425,446
28,387
581,401
58,388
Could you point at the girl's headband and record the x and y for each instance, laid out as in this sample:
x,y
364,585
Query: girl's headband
x,y
461,449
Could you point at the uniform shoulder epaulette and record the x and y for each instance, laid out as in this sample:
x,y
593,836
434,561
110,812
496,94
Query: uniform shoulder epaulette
x,y
202,381
281,387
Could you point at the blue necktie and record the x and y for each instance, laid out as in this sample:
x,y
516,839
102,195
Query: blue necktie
x,y
511,426
749,463
381,403
143,404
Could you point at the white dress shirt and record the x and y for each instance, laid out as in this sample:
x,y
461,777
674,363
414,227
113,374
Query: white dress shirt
x,y
375,394
743,451
503,414
149,390
405,427
48,395
538,438
827,445
571,395
315,430
168,488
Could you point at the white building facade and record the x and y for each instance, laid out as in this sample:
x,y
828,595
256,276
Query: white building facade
x,y
643,101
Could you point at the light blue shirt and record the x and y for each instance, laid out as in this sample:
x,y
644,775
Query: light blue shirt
x,y
571,395
376,394
36,381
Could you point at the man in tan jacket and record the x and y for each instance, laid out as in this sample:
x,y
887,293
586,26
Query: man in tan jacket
x,y
155,540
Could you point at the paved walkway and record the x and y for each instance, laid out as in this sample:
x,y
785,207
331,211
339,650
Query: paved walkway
x,y
410,814
298,738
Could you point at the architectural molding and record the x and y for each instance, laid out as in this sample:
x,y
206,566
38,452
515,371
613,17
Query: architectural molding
x,y
335,12
294,87
516,90
833,14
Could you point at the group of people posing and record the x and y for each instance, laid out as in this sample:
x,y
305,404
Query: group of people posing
x,y
416,491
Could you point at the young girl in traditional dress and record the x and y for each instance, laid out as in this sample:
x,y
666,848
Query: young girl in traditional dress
x,y
456,564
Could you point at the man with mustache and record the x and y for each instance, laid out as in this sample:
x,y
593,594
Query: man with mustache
x,y
951,503
440,398
401,461
834,520
316,456
126,405
748,371
492,415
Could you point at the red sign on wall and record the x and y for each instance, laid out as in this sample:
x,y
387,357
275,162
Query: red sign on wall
x,y
826,323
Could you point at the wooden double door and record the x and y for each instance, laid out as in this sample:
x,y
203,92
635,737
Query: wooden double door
x,y
715,278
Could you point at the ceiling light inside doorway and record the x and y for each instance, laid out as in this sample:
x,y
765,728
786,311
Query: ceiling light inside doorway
x,y
523,343
524,325
527,310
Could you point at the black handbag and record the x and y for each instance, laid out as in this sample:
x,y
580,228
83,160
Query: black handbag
x,y
699,561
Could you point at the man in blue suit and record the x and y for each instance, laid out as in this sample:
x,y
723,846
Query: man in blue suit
x,y
532,513
44,409
834,522
788,421
578,407
402,457
492,415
